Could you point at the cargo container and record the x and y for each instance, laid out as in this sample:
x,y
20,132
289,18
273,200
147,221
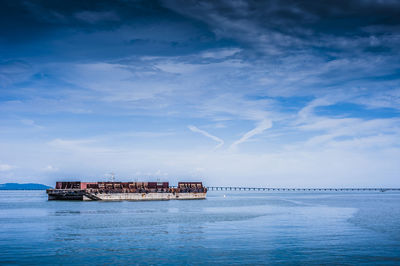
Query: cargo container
x,y
109,191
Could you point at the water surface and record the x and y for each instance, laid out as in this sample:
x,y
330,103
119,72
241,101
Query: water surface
x,y
227,228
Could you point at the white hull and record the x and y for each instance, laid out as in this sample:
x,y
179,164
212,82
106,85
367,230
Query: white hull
x,y
148,196
76,194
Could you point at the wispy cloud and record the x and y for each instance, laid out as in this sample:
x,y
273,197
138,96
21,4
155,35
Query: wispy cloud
x,y
122,81
308,110
6,167
78,145
13,71
96,17
31,123
260,128
208,135
50,168
221,53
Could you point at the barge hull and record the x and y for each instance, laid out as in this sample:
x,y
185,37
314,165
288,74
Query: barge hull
x,y
85,196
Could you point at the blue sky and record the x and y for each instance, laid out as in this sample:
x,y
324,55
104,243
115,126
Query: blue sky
x,y
273,93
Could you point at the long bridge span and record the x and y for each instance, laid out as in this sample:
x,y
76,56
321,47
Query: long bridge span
x,y
216,188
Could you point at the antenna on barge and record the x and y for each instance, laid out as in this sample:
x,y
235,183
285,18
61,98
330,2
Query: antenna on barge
x,y
112,177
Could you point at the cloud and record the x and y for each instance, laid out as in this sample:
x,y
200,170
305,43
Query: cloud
x,y
145,134
221,53
78,145
308,110
178,68
96,17
235,105
13,71
6,167
50,168
208,135
125,79
339,131
261,127
30,123
288,27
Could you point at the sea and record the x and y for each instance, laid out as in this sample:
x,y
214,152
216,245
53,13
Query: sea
x,y
227,228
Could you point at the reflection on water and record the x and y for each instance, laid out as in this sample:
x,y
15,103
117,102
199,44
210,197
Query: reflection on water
x,y
241,228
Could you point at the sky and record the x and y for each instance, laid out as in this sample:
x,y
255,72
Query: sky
x,y
233,93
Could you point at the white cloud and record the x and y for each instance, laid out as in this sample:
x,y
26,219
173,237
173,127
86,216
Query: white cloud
x,y
208,135
308,110
14,71
6,167
50,168
110,82
31,123
178,68
260,128
145,134
147,99
78,145
232,106
221,53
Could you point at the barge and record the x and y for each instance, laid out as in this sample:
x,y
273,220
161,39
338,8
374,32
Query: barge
x,y
118,191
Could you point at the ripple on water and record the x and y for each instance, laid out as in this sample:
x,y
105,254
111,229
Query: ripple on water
x,y
252,228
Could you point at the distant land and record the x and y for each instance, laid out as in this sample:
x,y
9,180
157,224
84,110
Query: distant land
x,y
27,186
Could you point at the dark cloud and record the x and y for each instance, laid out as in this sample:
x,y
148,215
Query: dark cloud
x,y
312,33
21,20
97,30
284,26
269,27
334,16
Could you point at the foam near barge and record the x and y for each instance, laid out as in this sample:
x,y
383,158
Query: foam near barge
x,y
117,191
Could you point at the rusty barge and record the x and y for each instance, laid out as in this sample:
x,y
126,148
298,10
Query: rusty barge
x,y
118,191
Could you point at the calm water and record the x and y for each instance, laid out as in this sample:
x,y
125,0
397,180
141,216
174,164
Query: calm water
x,y
241,228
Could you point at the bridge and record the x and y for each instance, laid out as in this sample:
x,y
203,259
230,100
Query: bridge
x,y
299,189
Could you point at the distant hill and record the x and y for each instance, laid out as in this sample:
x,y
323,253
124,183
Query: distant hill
x,y
27,186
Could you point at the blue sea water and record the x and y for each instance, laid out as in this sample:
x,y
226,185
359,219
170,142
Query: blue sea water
x,y
246,228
